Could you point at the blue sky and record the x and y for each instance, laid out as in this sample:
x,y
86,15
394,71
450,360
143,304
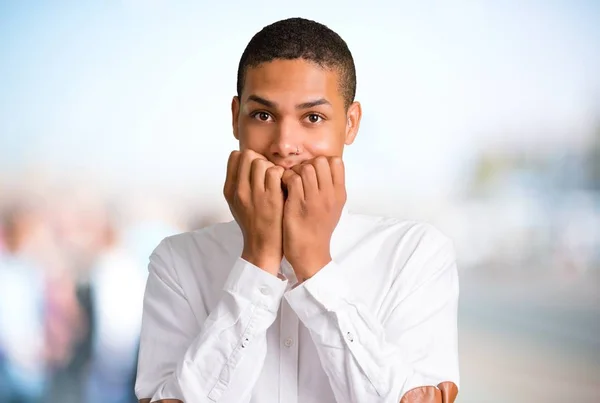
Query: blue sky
x,y
134,90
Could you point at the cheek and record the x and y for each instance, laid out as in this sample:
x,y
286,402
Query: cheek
x,y
329,144
254,137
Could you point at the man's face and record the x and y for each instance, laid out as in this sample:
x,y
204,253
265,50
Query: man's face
x,y
293,106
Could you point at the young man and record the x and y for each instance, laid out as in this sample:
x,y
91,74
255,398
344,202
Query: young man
x,y
297,300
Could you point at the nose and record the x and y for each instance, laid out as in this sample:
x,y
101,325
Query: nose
x,y
286,141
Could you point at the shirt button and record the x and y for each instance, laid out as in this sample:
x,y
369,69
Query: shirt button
x,y
265,290
245,343
288,342
350,337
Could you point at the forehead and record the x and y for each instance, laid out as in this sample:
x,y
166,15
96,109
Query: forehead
x,y
293,80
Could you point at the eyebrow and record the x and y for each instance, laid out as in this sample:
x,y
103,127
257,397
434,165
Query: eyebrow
x,y
304,105
312,104
262,101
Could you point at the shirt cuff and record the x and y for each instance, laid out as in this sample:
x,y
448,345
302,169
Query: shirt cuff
x,y
327,290
254,284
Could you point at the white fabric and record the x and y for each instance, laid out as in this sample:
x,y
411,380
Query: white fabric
x,y
379,320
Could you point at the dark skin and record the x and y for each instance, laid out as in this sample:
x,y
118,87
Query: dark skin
x,y
288,204
287,104
290,106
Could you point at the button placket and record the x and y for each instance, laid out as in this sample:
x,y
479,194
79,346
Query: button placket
x,y
288,354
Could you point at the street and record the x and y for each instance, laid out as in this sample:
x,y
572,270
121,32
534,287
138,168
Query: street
x,y
529,345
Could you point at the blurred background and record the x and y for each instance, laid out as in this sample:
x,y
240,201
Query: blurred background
x,y
482,118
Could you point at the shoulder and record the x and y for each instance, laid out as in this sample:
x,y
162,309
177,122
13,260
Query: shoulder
x,y
415,248
411,234
190,249
222,236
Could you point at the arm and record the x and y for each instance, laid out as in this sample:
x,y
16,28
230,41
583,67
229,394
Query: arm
x,y
399,358
216,356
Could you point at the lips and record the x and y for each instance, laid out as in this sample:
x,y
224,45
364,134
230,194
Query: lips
x,y
288,164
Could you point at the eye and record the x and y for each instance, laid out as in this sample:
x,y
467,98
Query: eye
x,y
314,118
262,116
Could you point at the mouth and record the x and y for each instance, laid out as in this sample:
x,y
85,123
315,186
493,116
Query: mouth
x,y
288,164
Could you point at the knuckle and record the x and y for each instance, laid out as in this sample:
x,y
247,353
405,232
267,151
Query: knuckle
x,y
227,195
250,154
247,155
261,162
241,196
234,158
321,160
274,171
335,160
307,168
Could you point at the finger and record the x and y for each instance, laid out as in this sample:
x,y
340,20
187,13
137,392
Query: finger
x,y
338,174
258,169
309,181
297,169
273,179
323,172
244,169
293,184
232,174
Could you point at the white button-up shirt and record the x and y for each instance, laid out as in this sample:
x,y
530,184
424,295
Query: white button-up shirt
x,y
377,321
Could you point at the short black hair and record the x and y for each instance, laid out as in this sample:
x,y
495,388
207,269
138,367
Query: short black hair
x,y
299,38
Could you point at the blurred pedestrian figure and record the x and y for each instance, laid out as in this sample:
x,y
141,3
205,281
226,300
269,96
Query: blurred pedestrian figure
x,y
117,286
22,290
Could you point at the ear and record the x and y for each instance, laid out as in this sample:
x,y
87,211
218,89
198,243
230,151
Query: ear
x,y
235,114
353,117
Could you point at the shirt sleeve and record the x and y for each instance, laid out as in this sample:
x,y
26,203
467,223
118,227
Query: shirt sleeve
x,y
372,360
206,359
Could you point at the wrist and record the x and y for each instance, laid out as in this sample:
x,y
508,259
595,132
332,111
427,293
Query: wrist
x,y
310,266
265,261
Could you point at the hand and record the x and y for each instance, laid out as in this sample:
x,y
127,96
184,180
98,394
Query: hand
x,y
316,196
253,191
